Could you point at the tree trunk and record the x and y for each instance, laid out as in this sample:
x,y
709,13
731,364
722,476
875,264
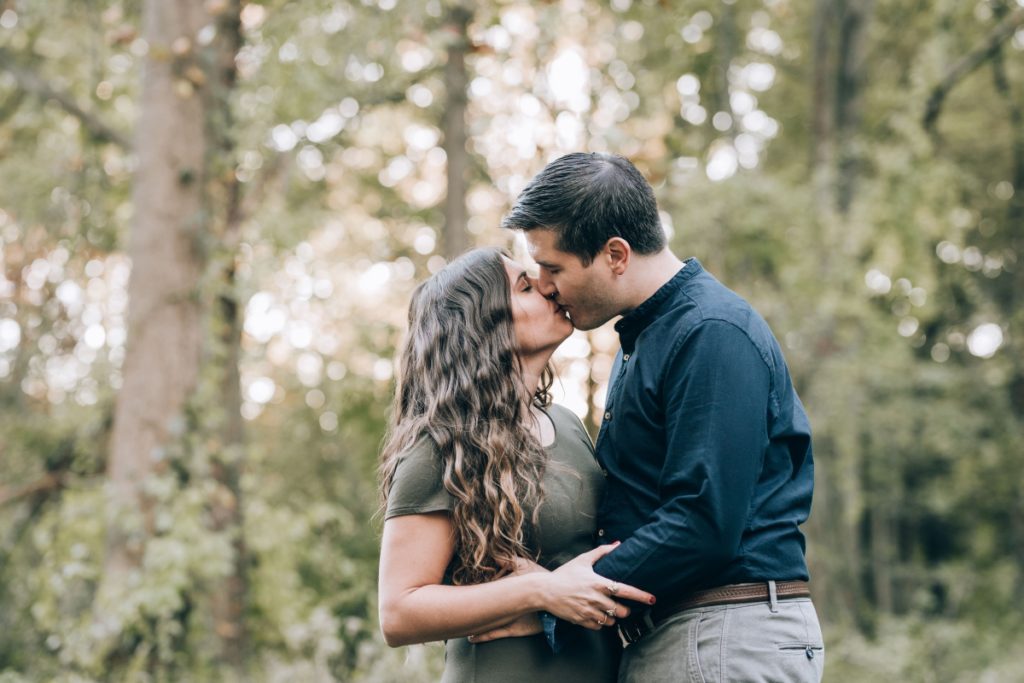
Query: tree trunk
x,y
881,558
725,52
456,239
822,116
229,598
839,48
187,219
849,100
1011,283
819,526
164,335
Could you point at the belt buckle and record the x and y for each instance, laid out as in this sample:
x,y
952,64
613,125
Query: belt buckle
x,y
635,629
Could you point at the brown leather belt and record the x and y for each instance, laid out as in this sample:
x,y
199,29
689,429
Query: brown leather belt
x,y
636,626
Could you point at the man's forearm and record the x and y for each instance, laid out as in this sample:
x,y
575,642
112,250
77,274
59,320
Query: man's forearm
x,y
662,563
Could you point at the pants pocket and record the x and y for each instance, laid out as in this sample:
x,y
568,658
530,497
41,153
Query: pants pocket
x,y
784,646
801,660
799,647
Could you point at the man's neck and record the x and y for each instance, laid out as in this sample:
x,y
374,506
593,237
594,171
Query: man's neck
x,y
650,274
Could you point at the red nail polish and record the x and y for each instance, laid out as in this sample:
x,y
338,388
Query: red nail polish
x,y
652,601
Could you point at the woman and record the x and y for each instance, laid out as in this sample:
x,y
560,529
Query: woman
x,y
487,487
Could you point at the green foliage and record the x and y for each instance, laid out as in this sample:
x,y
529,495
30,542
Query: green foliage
x,y
916,538
927,651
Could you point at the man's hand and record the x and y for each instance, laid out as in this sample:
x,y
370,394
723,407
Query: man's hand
x,y
526,625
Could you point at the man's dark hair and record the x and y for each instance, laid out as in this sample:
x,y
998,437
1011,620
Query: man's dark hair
x,y
586,199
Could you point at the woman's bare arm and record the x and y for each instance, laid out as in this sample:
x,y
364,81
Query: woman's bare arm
x,y
415,607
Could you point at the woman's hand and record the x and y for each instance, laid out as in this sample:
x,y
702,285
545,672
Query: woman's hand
x,y
526,566
526,625
576,593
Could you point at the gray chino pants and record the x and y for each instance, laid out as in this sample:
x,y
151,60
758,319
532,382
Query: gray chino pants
x,y
749,643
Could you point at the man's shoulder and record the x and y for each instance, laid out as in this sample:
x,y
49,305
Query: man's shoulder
x,y
705,302
705,299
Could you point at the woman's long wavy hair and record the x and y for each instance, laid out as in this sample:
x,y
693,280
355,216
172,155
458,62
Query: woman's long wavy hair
x,y
461,384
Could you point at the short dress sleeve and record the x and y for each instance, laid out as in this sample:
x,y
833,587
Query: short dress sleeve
x,y
418,487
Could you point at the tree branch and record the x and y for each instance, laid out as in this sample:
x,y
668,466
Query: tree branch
x,y
968,63
48,482
31,82
11,104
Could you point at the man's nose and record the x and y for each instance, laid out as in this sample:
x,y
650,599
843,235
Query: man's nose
x,y
545,286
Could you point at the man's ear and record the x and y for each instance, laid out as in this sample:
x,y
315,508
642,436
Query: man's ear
x,y
617,253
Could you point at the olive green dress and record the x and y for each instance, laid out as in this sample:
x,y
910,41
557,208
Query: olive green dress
x,y
573,483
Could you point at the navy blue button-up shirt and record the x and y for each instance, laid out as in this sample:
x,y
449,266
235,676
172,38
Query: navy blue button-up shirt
x,y
706,446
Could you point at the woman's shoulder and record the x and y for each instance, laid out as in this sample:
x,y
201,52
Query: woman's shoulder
x,y
418,486
562,415
568,423
556,411
423,451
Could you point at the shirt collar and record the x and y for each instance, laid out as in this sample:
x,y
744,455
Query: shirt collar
x,y
633,323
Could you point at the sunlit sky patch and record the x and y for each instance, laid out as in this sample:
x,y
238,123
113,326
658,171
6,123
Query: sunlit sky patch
x,y
569,81
984,340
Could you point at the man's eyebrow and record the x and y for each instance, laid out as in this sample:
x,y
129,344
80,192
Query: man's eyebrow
x,y
544,264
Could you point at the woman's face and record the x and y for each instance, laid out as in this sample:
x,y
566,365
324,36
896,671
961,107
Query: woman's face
x,y
540,324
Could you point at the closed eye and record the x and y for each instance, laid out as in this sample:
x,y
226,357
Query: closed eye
x,y
525,280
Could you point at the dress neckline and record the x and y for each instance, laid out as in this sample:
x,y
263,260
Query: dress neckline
x,y
554,429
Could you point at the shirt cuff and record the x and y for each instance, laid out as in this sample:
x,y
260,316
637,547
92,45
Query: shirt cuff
x,y
550,624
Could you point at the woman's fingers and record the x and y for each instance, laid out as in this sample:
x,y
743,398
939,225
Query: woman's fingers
x,y
617,610
593,624
574,591
592,556
503,632
525,625
611,588
595,619
623,591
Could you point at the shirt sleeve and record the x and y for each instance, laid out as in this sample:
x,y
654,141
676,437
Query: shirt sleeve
x,y
716,393
418,485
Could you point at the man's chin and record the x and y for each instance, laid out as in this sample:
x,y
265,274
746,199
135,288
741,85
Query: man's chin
x,y
582,324
585,323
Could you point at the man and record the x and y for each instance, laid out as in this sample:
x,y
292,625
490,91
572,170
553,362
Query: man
x,y
704,441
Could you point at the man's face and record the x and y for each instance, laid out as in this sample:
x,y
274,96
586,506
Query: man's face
x,y
585,292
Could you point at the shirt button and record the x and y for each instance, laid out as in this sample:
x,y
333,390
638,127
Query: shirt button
x,y
604,472
625,357
608,415
600,533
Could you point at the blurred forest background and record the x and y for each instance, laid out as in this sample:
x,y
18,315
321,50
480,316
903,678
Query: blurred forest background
x,y
212,213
